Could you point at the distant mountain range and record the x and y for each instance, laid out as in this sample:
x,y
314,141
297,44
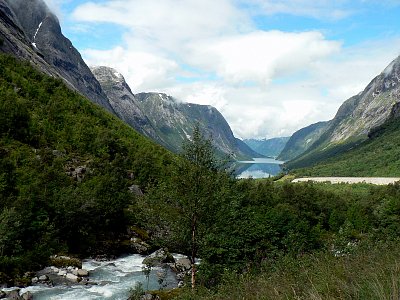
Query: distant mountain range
x,y
29,30
268,147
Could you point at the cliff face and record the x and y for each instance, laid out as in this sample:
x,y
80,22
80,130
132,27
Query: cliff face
x,y
124,102
29,30
356,117
175,121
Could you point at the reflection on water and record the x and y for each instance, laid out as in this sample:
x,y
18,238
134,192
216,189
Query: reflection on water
x,y
258,168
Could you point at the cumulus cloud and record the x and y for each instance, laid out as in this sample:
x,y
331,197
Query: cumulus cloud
x,y
265,82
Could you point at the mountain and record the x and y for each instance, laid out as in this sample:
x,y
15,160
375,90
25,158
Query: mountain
x,y
378,156
124,102
29,30
301,140
166,120
175,121
356,117
268,147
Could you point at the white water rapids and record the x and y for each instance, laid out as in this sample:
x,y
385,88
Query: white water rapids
x,y
109,280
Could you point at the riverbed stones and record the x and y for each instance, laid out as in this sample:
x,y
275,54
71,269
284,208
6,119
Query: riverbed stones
x,y
83,273
27,296
159,257
43,278
72,277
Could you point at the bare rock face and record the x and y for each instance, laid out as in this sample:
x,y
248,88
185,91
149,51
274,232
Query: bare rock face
x,y
29,30
123,101
164,119
357,117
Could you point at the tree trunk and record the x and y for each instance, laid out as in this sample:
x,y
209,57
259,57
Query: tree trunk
x,y
193,252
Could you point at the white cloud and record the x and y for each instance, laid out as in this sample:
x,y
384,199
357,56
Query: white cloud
x,y
143,71
261,55
265,83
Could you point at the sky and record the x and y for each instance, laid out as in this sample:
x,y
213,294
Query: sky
x,y
270,67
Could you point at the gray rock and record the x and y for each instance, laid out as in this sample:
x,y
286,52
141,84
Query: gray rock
x,y
159,257
135,189
83,273
183,264
72,277
2,294
27,296
181,284
34,280
43,278
13,295
32,32
62,273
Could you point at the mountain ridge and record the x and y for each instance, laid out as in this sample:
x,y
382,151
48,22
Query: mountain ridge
x,y
355,118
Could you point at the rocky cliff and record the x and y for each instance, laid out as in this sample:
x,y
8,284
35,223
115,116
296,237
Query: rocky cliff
x,y
356,117
124,102
29,30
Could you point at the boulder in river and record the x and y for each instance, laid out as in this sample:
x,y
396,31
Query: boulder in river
x,y
159,257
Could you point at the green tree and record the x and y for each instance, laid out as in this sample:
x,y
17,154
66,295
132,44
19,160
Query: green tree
x,y
195,187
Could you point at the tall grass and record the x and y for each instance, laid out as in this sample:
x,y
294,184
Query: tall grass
x,y
368,273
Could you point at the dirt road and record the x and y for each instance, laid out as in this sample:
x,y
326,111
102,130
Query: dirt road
x,y
371,180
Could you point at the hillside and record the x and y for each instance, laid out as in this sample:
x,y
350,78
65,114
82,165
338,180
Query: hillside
x,y
268,147
355,118
377,156
66,166
302,140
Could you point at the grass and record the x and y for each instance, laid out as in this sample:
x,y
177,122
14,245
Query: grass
x,y
369,273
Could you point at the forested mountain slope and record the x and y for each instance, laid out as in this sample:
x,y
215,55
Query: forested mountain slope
x,y
66,166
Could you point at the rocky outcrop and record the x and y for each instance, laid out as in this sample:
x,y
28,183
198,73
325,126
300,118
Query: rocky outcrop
x,y
29,30
158,258
123,101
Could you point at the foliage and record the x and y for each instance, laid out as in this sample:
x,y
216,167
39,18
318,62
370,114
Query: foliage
x,y
65,168
372,272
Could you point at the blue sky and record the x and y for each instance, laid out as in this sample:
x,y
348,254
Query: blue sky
x,y
270,67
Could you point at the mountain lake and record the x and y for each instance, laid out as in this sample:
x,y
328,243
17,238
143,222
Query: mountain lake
x,y
258,168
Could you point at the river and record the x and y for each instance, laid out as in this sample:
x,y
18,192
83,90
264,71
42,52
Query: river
x,y
109,280
258,168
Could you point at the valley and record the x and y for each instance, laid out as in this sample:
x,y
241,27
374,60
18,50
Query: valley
x,y
110,190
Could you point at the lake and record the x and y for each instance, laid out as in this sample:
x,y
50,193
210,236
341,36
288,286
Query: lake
x,y
258,168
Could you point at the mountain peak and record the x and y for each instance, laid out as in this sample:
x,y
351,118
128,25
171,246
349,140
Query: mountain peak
x,y
108,73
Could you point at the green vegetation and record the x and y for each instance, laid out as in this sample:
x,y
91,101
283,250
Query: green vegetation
x,y
369,273
378,156
65,169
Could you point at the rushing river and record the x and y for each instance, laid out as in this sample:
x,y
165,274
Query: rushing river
x,y
109,280
258,168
